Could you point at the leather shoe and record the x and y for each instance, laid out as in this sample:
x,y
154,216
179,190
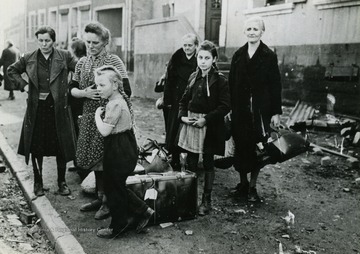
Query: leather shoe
x,y
91,206
253,196
145,219
63,189
102,213
38,190
109,233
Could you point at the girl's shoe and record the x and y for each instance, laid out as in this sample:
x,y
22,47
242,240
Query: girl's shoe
x,y
91,206
145,219
109,233
102,213
205,206
253,196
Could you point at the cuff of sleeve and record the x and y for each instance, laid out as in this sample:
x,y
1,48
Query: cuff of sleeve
x,y
108,124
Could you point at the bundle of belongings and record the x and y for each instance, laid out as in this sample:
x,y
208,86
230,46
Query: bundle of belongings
x,y
171,194
282,144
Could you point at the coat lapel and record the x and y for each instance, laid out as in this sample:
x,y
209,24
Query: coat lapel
x,y
31,68
57,65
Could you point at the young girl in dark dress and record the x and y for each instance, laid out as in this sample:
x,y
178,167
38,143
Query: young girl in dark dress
x,y
120,153
202,109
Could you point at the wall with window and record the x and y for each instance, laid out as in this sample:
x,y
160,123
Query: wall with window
x,y
317,43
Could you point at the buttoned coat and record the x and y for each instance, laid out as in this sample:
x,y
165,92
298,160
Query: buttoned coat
x,y
62,62
9,56
255,90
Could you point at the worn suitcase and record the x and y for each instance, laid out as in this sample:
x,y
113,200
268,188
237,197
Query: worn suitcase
x,y
176,194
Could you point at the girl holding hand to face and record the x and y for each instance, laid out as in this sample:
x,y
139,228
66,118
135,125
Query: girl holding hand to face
x,y
202,109
120,153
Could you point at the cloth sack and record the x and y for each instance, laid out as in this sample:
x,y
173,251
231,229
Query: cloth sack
x,y
154,157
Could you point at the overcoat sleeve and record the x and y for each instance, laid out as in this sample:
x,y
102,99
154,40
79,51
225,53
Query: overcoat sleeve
x,y
275,91
223,106
14,72
169,83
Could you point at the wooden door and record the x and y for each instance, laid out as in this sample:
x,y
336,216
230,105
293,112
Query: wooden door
x,y
213,20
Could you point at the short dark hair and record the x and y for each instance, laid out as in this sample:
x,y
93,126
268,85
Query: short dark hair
x,y
98,29
78,47
46,29
209,46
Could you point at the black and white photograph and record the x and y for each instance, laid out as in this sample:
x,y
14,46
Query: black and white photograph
x,y
180,126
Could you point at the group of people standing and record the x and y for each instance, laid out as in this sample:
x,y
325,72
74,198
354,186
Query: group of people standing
x,y
197,97
98,79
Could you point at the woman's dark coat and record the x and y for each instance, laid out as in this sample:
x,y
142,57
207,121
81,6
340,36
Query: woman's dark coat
x,y
257,79
62,63
8,57
177,74
218,105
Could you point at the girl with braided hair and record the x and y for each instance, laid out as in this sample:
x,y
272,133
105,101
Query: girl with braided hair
x,y
120,153
202,108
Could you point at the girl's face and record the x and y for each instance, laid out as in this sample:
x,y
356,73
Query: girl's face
x,y
205,60
253,31
45,43
94,44
105,87
189,46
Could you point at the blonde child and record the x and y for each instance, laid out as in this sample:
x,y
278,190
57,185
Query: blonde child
x,y
120,153
202,109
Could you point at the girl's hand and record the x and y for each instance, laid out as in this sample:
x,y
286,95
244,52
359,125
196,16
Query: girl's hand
x,y
92,93
275,120
200,122
99,110
187,120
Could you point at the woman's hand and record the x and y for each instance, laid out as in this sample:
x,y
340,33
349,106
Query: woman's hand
x,y
200,122
275,120
99,111
187,120
92,93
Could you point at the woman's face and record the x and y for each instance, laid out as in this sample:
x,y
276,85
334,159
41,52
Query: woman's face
x,y
205,60
104,86
189,46
253,31
94,44
45,43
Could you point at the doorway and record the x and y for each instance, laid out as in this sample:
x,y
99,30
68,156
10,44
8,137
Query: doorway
x,y
213,20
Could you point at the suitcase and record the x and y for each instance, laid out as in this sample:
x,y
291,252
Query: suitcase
x,y
176,194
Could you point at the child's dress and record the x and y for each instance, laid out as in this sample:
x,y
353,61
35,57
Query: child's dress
x,y
120,158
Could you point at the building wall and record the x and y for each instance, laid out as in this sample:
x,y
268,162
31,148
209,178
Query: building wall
x,y
163,37
308,40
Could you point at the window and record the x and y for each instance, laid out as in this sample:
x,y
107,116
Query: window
x,y
274,2
41,18
271,7
215,4
32,23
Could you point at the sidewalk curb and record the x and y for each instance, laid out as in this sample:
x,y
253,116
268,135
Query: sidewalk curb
x,y
55,229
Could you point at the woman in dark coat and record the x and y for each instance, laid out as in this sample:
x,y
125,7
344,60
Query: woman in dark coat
x,y
255,89
48,128
9,56
180,66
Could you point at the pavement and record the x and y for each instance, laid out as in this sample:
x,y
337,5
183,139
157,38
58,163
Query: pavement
x,y
60,235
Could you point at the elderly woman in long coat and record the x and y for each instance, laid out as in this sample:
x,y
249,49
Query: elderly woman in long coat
x,y
255,89
179,69
48,128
